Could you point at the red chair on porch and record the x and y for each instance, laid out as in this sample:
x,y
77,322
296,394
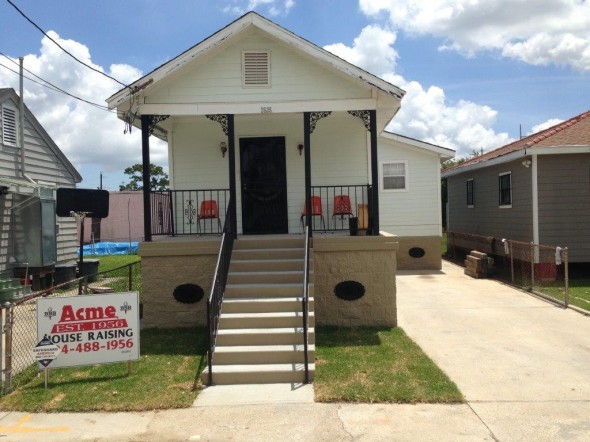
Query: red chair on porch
x,y
316,210
342,206
208,210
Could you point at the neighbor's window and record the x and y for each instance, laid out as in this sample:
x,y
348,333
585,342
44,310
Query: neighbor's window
x,y
470,192
9,125
394,175
256,68
505,189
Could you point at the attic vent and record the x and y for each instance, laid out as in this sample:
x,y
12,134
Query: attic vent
x,y
256,68
9,134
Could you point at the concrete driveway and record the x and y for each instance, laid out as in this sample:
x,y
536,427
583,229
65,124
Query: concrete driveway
x,y
522,364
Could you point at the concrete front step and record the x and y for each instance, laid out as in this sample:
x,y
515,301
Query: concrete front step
x,y
269,243
263,336
268,254
270,354
258,374
265,277
262,265
264,320
264,305
265,290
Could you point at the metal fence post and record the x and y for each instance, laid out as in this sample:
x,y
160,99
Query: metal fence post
x,y
511,260
2,312
8,347
532,266
566,276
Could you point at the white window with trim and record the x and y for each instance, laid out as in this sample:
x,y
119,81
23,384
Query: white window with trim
x,y
256,68
394,176
505,190
9,115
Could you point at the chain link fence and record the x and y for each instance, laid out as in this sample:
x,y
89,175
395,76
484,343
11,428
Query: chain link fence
x,y
537,268
18,320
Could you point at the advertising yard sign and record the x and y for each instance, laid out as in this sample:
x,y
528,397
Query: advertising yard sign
x,y
90,329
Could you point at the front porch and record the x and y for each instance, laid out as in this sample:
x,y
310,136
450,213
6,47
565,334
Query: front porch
x,y
342,209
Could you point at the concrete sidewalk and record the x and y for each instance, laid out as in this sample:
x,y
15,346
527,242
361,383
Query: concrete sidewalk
x,y
522,364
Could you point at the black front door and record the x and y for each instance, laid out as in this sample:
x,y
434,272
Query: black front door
x,y
264,185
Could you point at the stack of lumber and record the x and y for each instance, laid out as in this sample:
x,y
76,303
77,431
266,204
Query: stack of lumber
x,y
478,264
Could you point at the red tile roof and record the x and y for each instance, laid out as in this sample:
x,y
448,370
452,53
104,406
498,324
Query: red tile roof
x,y
573,132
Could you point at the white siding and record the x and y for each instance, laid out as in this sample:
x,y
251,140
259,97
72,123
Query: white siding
x,y
218,78
42,164
414,212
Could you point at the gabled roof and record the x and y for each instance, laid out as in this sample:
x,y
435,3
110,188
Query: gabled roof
x,y
248,20
9,93
444,152
569,136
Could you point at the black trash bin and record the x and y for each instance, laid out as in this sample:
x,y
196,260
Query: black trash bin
x,y
353,224
89,268
64,272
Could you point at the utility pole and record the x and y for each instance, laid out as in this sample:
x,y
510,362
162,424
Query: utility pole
x,y
21,111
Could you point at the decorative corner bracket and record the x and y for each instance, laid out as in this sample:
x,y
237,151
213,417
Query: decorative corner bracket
x,y
314,117
222,120
154,120
364,115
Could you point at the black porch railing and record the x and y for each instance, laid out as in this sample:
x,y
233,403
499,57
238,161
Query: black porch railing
x,y
218,288
305,305
334,206
188,212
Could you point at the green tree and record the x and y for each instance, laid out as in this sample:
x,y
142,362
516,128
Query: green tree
x,y
158,179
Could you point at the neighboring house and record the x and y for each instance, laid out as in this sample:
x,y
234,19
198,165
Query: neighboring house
x,y
33,239
266,133
124,223
534,189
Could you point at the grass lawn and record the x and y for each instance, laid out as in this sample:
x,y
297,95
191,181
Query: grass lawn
x,y
579,292
113,261
377,365
165,377
368,365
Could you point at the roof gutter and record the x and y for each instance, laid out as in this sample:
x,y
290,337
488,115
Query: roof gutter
x,y
559,150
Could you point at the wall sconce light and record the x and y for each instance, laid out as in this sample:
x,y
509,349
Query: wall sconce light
x,y
526,163
223,148
300,148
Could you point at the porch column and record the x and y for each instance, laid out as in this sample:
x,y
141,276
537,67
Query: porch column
x,y
232,174
145,158
374,173
307,149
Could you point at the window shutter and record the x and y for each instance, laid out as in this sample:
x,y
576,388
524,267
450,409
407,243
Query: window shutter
x,y
9,126
256,68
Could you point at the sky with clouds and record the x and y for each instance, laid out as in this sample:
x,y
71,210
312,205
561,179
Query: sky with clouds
x,y
477,73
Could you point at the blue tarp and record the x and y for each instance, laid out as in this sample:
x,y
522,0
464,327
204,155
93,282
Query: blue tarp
x,y
110,248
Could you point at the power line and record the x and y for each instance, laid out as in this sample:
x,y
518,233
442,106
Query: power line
x,y
59,46
53,87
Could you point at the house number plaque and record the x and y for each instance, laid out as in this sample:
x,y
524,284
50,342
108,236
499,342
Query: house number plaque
x,y
266,110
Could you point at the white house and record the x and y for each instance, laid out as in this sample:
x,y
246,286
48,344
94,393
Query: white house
x,y
268,133
32,239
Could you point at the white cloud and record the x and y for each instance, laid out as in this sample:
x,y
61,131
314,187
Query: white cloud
x,y
425,114
270,7
86,135
546,125
539,32
372,50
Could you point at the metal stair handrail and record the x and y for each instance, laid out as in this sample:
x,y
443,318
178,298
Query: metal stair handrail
x,y
218,287
305,303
